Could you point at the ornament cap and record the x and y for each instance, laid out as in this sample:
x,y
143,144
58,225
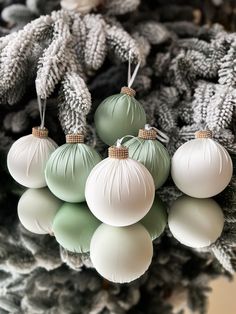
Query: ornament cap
x,y
147,134
120,152
40,132
203,134
128,91
75,138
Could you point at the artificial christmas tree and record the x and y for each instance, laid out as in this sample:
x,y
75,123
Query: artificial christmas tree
x,y
186,82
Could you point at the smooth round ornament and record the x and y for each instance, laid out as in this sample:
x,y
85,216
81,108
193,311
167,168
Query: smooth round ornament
x,y
121,254
74,226
156,219
37,209
67,170
27,158
201,167
119,192
117,116
153,155
196,222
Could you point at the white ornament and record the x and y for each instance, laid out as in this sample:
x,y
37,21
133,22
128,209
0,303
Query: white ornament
x,y
27,158
37,209
121,254
119,191
201,167
196,222
82,6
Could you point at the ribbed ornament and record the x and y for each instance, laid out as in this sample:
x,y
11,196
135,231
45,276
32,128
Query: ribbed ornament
x,y
119,115
68,168
119,191
151,153
27,158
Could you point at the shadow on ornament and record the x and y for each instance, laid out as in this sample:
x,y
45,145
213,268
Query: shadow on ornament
x,y
121,254
74,226
195,222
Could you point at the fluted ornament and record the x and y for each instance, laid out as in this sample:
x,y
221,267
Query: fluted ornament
x,y
68,168
27,158
119,190
201,167
151,153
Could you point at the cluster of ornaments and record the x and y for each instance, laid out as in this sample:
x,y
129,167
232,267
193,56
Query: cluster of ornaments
x,y
109,207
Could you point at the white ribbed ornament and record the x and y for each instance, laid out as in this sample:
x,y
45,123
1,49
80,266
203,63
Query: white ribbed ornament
x,y
119,190
196,222
37,209
27,158
121,254
201,167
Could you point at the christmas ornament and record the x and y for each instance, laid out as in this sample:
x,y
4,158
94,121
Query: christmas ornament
x,y
37,209
121,254
74,226
196,222
68,168
120,114
119,190
27,158
156,219
152,154
201,167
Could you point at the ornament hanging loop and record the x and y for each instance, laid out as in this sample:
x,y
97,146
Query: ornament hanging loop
x,y
131,77
120,140
42,111
161,136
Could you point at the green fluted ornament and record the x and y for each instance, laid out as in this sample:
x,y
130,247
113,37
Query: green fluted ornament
x,y
74,226
68,168
119,115
151,153
156,219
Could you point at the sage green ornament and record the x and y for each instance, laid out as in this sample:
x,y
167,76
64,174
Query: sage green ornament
x,y
74,226
119,115
68,168
151,153
156,219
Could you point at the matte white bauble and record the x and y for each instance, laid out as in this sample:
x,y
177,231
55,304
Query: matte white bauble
x,y
37,209
27,158
196,222
121,254
119,190
201,167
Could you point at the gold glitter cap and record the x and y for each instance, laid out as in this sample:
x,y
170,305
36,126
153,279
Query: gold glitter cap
x,y
147,134
40,132
128,91
203,134
75,138
120,152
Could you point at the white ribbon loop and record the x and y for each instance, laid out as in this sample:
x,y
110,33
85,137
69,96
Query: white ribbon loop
x,y
132,77
162,137
42,111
